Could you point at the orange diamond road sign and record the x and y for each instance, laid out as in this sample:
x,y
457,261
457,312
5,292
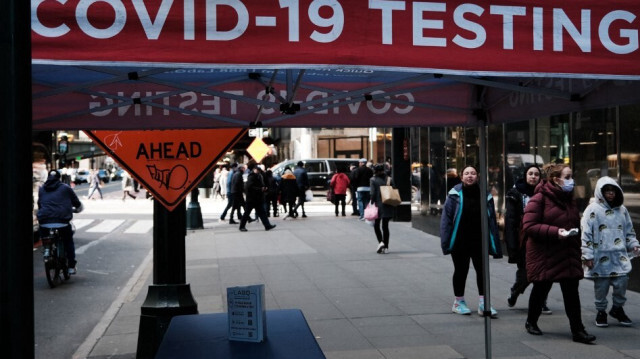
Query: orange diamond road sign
x,y
168,163
258,149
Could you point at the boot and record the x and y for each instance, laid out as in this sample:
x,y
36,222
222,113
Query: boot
x,y
582,336
511,301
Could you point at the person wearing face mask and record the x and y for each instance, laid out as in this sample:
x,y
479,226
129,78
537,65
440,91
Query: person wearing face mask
x,y
461,236
516,200
551,225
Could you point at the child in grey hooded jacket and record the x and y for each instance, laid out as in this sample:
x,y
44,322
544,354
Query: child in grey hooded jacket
x,y
608,243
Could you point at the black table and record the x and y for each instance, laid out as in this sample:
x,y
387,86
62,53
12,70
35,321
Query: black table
x,y
205,336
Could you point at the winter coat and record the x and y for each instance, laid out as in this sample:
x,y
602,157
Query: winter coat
x,y
237,182
302,178
340,183
607,234
549,256
450,222
56,202
384,210
255,188
363,175
515,201
288,188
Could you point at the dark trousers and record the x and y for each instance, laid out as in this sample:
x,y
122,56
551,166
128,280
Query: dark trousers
x,y
238,205
66,233
521,282
271,202
461,260
228,207
383,236
339,199
570,296
259,207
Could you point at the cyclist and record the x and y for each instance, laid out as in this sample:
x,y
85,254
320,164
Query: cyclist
x,y
56,204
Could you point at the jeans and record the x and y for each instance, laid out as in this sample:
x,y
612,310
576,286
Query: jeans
x,y
601,289
363,200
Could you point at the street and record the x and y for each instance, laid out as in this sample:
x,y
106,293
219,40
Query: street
x,y
110,246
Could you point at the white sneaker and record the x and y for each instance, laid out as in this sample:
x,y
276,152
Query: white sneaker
x,y
460,307
494,313
72,271
380,248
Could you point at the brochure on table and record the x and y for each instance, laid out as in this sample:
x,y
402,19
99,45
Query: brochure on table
x,y
247,317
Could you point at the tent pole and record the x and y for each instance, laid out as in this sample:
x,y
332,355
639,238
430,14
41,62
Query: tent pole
x,y
484,221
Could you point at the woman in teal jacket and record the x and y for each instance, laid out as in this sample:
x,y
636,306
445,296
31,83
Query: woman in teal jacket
x,y
461,236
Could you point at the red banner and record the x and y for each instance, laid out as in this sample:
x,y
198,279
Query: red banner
x,y
569,38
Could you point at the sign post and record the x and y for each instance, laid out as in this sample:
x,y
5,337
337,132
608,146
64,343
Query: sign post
x,y
169,164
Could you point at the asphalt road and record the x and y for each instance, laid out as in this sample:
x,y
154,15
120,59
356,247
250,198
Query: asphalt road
x,y
109,248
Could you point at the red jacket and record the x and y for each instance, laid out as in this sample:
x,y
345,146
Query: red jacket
x,y
550,257
340,183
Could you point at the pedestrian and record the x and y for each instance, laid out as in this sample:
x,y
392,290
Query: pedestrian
x,y
236,191
127,186
385,211
353,187
255,189
57,203
94,184
460,236
551,227
272,193
226,188
608,244
516,200
339,185
225,173
216,183
362,180
302,180
288,192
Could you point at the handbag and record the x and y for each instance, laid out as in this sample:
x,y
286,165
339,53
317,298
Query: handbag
x,y
308,196
331,196
371,212
389,195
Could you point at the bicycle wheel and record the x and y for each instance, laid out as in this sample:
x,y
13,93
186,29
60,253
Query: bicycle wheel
x,y
52,270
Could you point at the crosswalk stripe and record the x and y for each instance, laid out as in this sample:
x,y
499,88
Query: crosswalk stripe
x,y
141,226
79,223
106,226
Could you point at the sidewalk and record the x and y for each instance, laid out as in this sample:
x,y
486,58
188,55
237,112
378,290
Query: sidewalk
x,y
360,304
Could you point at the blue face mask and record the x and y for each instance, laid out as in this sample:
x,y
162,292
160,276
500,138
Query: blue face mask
x,y
568,185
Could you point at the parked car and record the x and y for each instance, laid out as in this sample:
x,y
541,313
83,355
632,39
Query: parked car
x,y
104,176
319,170
80,176
116,175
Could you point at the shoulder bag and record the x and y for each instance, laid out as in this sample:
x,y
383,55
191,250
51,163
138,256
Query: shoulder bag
x,y
390,196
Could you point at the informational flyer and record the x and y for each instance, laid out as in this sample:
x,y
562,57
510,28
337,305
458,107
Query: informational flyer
x,y
247,316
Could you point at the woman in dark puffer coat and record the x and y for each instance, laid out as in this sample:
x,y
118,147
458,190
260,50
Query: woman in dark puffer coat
x,y
553,251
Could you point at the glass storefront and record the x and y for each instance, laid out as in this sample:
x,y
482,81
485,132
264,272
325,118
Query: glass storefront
x,y
595,143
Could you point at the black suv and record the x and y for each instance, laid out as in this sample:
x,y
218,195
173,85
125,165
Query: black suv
x,y
319,170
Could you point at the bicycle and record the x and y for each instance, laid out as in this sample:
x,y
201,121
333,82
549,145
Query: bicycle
x,y
55,259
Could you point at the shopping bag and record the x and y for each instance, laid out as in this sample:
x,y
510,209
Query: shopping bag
x,y
308,195
371,212
390,196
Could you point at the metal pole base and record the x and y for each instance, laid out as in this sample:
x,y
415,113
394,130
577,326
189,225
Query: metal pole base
x,y
194,216
163,302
